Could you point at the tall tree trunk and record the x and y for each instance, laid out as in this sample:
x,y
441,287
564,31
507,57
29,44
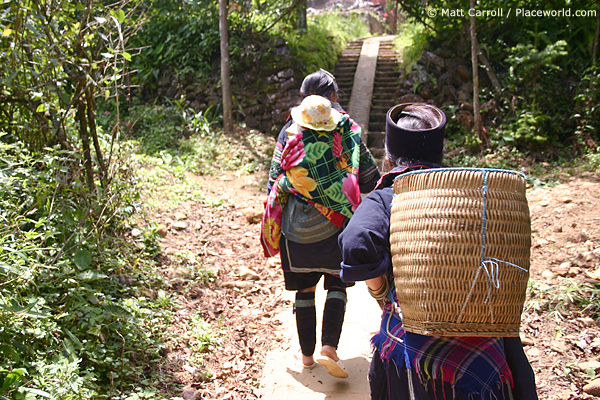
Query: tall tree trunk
x,y
595,50
490,73
85,142
395,30
301,22
91,120
475,66
225,82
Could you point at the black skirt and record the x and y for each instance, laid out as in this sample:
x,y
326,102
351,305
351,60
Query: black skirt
x,y
304,264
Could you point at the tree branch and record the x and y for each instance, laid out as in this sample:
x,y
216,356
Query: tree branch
x,y
288,11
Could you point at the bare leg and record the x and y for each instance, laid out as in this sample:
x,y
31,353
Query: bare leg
x,y
333,319
330,351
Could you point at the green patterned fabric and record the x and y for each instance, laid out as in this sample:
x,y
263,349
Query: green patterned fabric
x,y
320,168
327,174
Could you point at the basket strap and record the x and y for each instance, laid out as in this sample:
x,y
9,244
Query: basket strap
x,y
489,265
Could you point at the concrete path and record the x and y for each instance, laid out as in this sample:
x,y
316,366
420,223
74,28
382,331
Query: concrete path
x,y
359,106
283,375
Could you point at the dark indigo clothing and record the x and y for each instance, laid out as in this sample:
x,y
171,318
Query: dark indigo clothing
x,y
523,375
382,377
304,264
483,367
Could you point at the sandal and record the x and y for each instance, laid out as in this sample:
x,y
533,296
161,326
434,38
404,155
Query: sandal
x,y
335,368
309,367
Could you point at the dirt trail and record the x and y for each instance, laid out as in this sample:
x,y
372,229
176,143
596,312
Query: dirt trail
x,y
565,252
247,298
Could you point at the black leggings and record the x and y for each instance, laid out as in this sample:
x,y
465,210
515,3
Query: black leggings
x,y
333,319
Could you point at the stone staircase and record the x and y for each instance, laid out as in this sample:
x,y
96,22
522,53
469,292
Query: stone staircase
x,y
345,70
385,88
385,96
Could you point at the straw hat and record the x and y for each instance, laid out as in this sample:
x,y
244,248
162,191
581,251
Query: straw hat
x,y
315,112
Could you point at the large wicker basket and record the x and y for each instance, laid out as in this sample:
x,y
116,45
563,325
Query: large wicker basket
x,y
460,243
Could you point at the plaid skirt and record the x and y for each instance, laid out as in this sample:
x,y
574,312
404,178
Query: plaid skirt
x,y
441,367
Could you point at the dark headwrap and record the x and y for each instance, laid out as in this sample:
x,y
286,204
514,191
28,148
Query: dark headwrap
x,y
422,144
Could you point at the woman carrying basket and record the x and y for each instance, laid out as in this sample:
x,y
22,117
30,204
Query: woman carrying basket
x,y
407,365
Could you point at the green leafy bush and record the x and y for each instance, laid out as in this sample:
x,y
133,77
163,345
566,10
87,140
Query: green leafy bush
x,y
587,109
564,299
545,101
325,39
69,308
156,127
186,140
182,36
410,42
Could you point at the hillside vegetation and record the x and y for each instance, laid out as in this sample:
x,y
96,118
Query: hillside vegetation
x,y
84,134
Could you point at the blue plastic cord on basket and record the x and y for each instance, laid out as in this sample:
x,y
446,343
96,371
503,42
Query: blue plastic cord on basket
x,y
489,265
431,170
493,271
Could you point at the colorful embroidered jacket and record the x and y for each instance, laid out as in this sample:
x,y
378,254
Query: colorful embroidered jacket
x,y
475,367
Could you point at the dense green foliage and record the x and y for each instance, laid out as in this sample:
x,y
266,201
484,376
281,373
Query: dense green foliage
x,y
69,316
326,38
184,38
186,140
545,106
83,312
73,321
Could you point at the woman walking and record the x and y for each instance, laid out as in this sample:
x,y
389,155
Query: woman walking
x,y
319,168
407,365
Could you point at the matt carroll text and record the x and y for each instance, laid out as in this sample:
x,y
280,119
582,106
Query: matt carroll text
x,y
471,12
517,12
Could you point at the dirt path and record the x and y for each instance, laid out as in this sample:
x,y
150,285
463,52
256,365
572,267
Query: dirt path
x,y
566,253
247,298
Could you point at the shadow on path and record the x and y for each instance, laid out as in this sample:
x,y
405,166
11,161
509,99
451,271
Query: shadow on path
x,y
319,381
284,376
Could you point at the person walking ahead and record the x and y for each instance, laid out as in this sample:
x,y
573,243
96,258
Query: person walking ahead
x,y
321,167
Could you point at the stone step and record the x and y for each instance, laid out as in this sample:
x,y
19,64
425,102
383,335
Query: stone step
x,y
377,121
345,69
387,66
392,62
376,139
382,101
385,88
377,111
384,91
375,129
349,63
386,79
378,153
